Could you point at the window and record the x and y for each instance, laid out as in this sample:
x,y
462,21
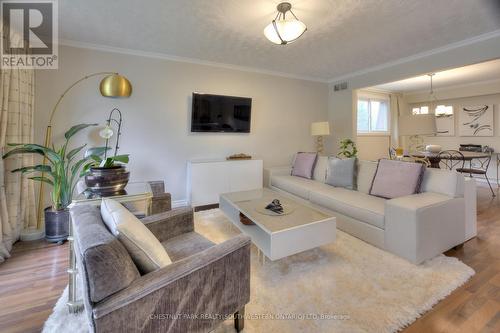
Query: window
x,y
444,110
373,116
440,110
420,110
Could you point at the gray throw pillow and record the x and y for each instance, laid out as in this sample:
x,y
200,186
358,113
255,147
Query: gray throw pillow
x,y
342,172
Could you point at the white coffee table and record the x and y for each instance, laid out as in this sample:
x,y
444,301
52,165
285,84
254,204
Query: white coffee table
x,y
304,228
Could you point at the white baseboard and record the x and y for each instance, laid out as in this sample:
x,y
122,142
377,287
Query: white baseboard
x,y
179,203
482,180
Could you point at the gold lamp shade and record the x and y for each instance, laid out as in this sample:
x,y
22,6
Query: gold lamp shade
x,y
115,85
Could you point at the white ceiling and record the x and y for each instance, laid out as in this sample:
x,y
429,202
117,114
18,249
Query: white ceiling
x,y
343,36
485,71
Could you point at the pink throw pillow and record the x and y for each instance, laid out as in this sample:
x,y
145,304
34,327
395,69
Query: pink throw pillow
x,y
397,179
303,166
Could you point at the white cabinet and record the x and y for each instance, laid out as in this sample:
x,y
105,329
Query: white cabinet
x,y
208,179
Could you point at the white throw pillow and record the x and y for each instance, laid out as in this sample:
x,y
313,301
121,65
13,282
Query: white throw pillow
x,y
366,173
320,168
146,251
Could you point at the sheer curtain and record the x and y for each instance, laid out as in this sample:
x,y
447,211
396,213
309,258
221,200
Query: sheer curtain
x,y
17,194
396,110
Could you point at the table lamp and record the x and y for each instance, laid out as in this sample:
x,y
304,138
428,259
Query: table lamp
x,y
320,129
415,126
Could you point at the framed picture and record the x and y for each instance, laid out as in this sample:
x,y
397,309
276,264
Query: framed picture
x,y
476,120
445,125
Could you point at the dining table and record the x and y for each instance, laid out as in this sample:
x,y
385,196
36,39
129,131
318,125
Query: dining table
x,y
435,158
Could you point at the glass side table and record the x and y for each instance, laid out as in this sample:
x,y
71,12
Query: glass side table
x,y
138,198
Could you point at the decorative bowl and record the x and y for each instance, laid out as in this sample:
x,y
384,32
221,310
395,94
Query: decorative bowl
x,y
433,148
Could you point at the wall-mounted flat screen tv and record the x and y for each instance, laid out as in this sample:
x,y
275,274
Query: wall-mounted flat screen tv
x,y
216,113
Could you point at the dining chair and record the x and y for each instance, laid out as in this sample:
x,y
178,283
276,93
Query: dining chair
x,y
478,166
451,159
423,160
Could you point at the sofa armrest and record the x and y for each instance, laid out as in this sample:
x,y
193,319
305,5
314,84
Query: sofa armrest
x,y
276,171
421,226
170,223
214,282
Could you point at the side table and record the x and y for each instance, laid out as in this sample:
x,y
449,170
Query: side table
x,y
138,197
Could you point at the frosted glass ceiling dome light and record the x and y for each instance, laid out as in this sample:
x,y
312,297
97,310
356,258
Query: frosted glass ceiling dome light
x,y
283,30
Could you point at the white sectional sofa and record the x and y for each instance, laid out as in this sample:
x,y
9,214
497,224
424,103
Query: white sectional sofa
x,y
416,227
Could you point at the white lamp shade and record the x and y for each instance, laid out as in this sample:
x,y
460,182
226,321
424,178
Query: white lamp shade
x,y
320,128
289,30
422,124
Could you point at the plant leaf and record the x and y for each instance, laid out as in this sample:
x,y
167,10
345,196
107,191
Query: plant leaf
x,y
42,179
34,149
75,129
106,163
34,168
86,169
121,158
97,159
78,165
96,151
75,151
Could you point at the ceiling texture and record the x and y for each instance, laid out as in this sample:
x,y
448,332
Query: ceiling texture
x,y
488,71
343,36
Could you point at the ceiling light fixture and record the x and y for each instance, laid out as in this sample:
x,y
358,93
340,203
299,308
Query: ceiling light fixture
x,y
432,96
283,30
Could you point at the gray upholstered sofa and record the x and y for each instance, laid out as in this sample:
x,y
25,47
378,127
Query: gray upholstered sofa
x,y
416,227
205,284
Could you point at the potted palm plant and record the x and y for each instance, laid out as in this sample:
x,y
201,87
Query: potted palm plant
x,y
62,172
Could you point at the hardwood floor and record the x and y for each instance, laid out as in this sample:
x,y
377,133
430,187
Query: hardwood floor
x,y
31,281
34,277
474,307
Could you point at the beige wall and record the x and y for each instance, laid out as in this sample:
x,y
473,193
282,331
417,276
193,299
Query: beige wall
x,y
373,147
157,115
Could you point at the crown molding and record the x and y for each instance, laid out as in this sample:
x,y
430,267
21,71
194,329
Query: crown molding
x,y
376,90
452,87
449,47
162,56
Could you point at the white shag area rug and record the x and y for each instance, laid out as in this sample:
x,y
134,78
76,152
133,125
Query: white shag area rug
x,y
347,286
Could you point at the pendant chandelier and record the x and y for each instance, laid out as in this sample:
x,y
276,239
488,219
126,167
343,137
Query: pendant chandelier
x,y
284,30
432,96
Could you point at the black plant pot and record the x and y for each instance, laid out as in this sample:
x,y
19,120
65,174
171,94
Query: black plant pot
x,y
107,181
56,225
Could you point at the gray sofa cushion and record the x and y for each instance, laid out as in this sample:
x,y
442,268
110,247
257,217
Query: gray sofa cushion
x,y
366,173
297,185
342,172
360,206
107,265
443,181
186,245
320,168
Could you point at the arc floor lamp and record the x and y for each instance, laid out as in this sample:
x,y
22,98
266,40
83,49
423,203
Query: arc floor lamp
x,y
112,85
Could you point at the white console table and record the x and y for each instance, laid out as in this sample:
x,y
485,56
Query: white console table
x,y
207,179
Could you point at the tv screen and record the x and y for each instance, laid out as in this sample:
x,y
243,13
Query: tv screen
x,y
216,113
